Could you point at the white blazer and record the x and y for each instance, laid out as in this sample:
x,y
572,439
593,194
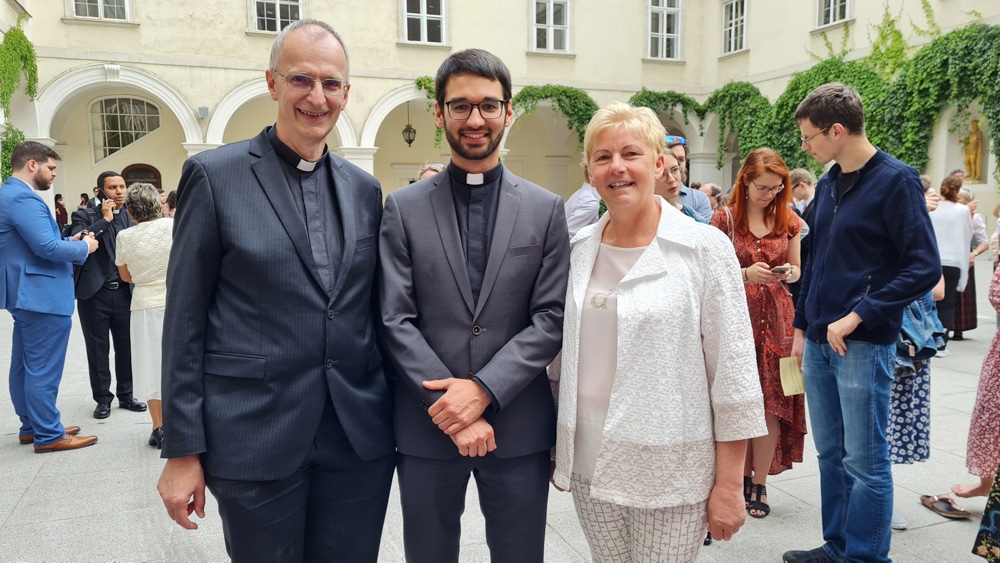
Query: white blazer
x,y
686,372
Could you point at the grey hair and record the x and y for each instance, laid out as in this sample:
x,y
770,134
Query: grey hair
x,y
965,194
323,27
143,202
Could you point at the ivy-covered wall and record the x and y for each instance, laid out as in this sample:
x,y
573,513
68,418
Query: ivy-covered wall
x,y
17,60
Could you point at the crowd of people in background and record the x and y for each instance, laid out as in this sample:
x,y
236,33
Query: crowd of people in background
x,y
659,291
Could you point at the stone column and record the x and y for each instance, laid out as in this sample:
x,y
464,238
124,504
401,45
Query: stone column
x,y
558,175
362,157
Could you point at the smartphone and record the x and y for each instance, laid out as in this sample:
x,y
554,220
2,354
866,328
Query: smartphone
x,y
780,269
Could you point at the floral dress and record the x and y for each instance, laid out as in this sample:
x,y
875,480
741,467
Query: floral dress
x,y
771,314
982,454
986,545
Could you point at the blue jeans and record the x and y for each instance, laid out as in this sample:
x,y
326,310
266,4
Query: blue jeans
x,y
848,401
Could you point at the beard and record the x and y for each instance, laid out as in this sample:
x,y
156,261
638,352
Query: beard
x,y
40,182
474,153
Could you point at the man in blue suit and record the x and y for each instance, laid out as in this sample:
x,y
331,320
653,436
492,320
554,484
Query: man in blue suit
x,y
274,395
36,286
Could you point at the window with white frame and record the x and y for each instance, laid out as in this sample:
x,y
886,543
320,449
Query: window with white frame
x,y
734,21
424,21
116,123
664,29
274,15
101,9
832,11
551,25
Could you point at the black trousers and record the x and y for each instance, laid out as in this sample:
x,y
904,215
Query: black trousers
x,y
946,306
331,509
107,312
513,496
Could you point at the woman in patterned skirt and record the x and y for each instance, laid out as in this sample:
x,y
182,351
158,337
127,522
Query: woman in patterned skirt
x,y
965,305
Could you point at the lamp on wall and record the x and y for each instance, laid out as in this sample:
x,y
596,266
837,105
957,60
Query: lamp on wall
x,y
409,133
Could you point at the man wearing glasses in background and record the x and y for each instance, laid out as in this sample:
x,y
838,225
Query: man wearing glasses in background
x,y
274,394
474,263
865,267
692,198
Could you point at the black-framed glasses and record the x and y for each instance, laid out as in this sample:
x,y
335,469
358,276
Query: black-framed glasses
x,y
773,189
676,140
461,110
805,139
304,83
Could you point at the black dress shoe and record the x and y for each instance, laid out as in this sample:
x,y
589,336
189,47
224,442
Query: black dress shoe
x,y
103,410
132,404
156,438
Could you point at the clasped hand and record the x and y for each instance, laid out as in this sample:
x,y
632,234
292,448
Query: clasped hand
x,y
458,413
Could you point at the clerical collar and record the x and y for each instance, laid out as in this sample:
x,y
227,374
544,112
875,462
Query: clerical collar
x,y
291,157
463,177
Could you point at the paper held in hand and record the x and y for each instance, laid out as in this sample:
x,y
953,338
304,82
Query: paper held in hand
x,y
791,377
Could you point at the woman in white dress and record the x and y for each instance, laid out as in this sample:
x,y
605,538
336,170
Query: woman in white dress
x,y
659,389
141,257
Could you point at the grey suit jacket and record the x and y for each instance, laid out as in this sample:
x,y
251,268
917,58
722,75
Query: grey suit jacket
x,y
434,330
252,343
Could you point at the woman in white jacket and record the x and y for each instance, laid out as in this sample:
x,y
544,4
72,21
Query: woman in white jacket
x,y
953,230
659,387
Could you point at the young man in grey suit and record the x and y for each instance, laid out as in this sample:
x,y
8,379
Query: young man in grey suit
x,y
474,264
273,390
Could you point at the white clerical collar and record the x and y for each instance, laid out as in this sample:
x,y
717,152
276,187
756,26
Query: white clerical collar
x,y
474,179
306,166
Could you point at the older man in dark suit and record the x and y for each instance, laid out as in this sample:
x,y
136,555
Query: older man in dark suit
x,y
474,266
273,389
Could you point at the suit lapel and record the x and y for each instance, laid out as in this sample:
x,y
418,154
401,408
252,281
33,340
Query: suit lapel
x,y
343,191
267,169
510,198
443,206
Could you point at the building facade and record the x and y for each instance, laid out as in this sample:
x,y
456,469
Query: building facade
x,y
138,86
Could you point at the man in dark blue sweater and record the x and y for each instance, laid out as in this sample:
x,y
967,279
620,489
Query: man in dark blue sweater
x,y
868,261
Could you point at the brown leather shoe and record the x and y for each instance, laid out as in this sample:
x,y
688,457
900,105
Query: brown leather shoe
x,y
67,442
71,430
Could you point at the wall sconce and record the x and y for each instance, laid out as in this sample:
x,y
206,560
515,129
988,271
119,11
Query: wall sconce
x,y
409,133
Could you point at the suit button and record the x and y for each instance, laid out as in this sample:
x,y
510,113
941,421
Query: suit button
x,y
477,329
470,375
424,405
330,363
330,314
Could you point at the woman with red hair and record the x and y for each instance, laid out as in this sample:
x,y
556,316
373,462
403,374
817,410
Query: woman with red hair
x,y
765,232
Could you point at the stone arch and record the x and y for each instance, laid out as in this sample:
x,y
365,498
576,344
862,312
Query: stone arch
x,y
78,81
251,90
389,102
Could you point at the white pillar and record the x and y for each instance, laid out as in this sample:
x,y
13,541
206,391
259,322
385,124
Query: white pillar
x,y
558,175
702,169
195,148
362,157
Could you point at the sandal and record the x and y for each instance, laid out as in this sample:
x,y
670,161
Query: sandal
x,y
747,489
945,506
759,505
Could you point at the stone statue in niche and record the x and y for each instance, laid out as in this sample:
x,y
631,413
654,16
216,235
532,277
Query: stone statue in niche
x,y
973,153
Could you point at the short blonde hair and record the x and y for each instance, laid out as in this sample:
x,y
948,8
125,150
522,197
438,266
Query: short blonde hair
x,y
639,121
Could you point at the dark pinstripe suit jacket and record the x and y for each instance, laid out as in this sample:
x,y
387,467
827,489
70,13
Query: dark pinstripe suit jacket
x,y
434,329
252,342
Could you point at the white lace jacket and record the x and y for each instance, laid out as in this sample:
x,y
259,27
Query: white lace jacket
x,y
686,374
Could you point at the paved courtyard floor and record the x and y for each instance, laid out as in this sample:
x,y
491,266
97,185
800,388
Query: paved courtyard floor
x,y
100,503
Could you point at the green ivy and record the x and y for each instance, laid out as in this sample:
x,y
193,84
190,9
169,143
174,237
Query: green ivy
x,y
742,110
573,103
17,60
954,69
426,85
667,102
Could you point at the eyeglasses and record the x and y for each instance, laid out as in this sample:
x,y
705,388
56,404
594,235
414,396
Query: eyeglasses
x,y
304,83
773,189
676,140
461,110
675,171
805,139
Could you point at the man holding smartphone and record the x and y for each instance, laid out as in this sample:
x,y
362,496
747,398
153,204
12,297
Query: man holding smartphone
x,y
104,299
